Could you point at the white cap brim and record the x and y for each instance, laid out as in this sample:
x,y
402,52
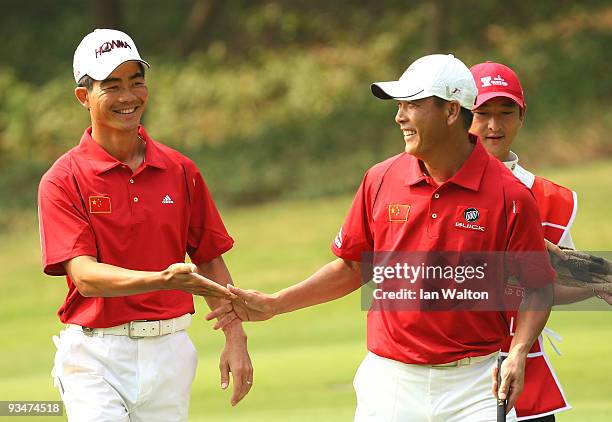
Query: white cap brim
x,y
100,73
398,90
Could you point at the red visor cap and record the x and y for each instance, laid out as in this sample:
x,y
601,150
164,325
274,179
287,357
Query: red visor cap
x,y
496,80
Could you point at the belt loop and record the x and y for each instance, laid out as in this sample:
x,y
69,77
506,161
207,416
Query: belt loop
x,y
174,325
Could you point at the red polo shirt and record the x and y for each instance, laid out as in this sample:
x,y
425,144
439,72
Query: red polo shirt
x,y
92,204
399,208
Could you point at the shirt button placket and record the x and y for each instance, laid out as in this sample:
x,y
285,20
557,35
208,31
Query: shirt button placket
x,y
433,214
138,206
134,199
432,226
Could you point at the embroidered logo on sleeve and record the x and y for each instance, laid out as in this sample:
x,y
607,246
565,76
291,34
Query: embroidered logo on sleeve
x,y
99,205
515,207
338,239
398,213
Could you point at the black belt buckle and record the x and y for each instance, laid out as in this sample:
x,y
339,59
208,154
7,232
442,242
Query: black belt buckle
x,y
89,332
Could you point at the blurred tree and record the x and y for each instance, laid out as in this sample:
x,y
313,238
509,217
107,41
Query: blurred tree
x,y
106,13
436,34
193,30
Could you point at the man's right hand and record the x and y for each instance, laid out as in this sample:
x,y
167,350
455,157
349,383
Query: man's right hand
x,y
332,281
181,276
247,305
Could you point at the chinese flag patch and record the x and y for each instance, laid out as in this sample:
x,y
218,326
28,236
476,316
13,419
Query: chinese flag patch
x,y
398,213
99,205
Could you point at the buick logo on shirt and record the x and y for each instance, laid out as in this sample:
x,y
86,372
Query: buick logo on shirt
x,y
471,215
470,218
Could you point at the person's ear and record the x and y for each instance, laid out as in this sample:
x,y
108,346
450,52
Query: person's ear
x,y
522,112
453,112
82,95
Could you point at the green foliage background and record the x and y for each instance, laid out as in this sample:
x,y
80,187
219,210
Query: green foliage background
x,y
272,97
272,100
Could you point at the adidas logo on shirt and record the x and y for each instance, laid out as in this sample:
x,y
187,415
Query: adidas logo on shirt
x,y
167,200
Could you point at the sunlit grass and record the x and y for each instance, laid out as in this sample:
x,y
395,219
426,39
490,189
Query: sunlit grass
x,y
305,361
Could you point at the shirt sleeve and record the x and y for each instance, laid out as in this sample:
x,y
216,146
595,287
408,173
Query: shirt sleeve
x,y
208,237
527,258
355,236
65,232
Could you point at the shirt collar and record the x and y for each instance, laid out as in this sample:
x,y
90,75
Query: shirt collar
x,y
153,155
512,161
101,161
415,172
471,172
469,175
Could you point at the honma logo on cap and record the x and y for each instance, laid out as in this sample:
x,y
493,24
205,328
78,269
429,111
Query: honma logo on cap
x,y
110,45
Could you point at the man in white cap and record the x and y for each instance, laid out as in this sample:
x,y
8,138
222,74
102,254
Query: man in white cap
x,y
444,193
117,215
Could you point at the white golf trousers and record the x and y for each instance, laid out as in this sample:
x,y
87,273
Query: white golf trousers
x,y
392,391
119,379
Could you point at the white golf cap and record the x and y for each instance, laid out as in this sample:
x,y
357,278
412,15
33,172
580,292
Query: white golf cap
x,y
440,75
101,52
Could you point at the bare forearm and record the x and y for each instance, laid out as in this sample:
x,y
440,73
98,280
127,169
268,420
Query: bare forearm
x,y
568,294
217,271
532,317
94,279
332,281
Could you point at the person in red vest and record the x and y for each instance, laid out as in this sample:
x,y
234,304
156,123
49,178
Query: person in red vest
x,y
499,113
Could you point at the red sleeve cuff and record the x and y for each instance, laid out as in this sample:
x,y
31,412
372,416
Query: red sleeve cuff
x,y
345,254
55,265
207,252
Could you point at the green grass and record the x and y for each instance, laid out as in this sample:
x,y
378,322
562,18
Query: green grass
x,y
305,361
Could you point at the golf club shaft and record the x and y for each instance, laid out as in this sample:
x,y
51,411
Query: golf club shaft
x,y
501,404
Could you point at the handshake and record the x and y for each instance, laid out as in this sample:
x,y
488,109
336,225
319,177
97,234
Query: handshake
x,y
233,302
574,268
244,305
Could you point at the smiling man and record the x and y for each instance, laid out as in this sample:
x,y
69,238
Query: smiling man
x,y
118,213
422,365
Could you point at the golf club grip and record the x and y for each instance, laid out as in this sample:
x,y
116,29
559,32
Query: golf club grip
x,y
501,404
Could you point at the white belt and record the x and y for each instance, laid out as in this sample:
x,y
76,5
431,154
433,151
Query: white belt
x,y
464,362
139,328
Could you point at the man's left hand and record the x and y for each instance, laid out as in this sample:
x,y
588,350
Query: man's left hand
x,y
512,379
604,296
235,359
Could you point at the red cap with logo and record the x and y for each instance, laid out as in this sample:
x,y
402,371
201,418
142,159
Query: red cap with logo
x,y
496,80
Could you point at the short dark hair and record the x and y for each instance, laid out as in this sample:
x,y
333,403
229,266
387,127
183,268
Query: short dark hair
x,y
466,115
87,81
